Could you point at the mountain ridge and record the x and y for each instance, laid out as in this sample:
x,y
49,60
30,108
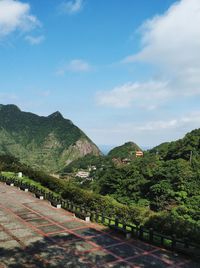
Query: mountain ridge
x,y
47,143
181,148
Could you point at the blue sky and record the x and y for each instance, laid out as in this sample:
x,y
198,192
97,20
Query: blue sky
x,y
119,69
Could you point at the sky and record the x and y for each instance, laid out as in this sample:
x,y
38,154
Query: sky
x,y
121,70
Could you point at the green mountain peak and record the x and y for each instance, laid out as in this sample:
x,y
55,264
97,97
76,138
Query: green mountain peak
x,y
10,108
128,149
46,143
56,115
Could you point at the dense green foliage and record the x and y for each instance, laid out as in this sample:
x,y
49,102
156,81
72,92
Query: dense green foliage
x,y
126,150
183,148
166,180
85,162
45,143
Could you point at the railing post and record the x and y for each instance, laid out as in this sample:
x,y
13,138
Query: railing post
x,y
92,215
116,222
124,225
97,216
186,243
109,220
102,218
151,235
173,244
132,230
141,232
162,240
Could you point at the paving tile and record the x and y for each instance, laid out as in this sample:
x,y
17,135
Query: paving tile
x,y
19,259
9,245
20,233
169,257
69,260
148,261
125,250
2,213
29,216
50,229
190,264
80,246
88,232
63,238
28,241
105,240
20,210
142,245
38,222
73,224
14,225
61,218
4,236
4,219
51,251
100,257
38,245
119,264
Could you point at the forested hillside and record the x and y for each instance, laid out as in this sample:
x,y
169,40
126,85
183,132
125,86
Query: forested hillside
x,y
166,180
45,143
186,148
126,150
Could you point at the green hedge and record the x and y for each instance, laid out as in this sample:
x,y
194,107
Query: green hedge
x,y
168,224
105,204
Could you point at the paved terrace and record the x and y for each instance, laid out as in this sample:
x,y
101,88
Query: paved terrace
x,y
34,234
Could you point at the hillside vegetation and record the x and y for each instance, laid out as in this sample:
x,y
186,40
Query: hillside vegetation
x,y
166,180
126,150
45,143
184,148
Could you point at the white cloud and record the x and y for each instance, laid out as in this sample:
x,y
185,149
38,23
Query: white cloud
x,y
158,125
71,7
35,40
172,39
145,95
185,122
76,66
172,43
15,15
149,133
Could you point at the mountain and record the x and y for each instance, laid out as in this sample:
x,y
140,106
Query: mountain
x,y
124,151
45,143
183,148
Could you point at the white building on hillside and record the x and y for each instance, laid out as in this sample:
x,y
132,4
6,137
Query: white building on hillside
x,y
83,174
